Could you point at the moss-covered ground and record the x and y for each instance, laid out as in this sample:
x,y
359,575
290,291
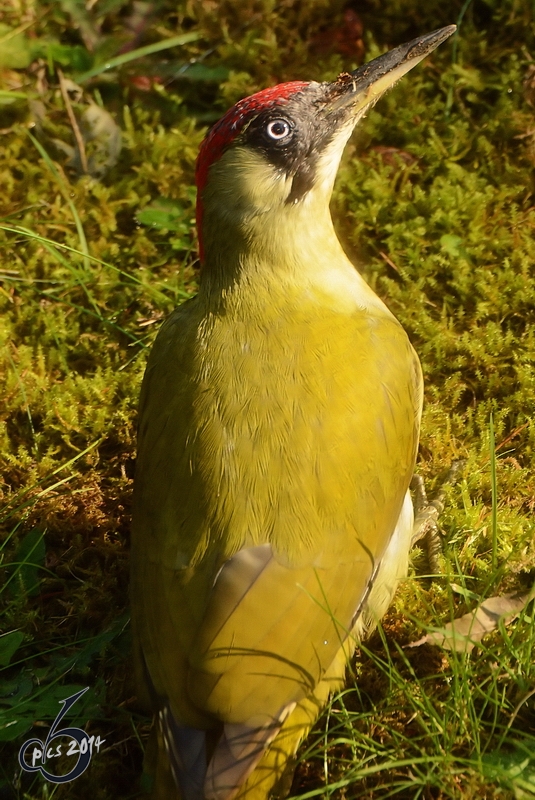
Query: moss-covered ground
x,y
435,204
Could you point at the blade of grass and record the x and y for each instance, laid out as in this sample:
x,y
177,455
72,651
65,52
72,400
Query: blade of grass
x,y
76,275
458,21
98,316
25,399
10,93
21,494
147,50
32,500
66,194
363,773
149,288
494,490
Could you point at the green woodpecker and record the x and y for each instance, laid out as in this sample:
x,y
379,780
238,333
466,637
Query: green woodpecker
x,y
278,432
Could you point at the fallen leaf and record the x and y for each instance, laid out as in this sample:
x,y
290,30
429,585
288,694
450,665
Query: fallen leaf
x,y
464,633
99,128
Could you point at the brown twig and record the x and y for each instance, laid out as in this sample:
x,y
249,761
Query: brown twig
x,y
74,124
389,261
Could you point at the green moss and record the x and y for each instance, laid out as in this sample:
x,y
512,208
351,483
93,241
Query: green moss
x,y
435,203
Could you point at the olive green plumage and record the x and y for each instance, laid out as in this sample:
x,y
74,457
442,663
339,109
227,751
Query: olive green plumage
x,y
278,434
293,425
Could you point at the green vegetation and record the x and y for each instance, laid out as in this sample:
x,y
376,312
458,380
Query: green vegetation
x,y
102,108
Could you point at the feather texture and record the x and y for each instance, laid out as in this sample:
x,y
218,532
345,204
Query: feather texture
x,y
278,432
274,459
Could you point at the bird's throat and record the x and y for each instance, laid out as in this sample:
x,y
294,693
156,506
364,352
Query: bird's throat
x,y
294,252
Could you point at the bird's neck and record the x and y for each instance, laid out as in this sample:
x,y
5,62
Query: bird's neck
x,y
294,251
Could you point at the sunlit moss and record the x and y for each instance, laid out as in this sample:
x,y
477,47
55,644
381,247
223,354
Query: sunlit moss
x,y
434,202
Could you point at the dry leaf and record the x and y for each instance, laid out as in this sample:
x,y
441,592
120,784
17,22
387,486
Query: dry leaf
x,y
100,129
465,632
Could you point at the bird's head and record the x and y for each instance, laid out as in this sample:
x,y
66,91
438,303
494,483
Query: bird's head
x,y
274,156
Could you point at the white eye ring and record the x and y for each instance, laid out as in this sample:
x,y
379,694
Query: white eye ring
x,y
278,129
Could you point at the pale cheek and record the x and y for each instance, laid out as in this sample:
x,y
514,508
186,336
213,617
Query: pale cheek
x,y
266,191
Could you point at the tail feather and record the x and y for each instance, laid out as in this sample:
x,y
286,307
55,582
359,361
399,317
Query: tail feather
x,y
236,755
186,750
238,751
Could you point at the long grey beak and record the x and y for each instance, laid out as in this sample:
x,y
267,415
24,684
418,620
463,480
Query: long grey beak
x,y
359,89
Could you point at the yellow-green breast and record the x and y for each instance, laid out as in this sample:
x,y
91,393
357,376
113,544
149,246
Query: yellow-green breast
x,y
282,421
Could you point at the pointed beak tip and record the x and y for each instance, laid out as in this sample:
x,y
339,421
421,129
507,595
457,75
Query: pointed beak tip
x,y
372,79
435,38
449,29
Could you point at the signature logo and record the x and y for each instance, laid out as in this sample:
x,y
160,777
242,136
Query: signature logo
x,y
82,745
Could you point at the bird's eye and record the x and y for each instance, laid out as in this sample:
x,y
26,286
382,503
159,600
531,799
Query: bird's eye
x,y
278,129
